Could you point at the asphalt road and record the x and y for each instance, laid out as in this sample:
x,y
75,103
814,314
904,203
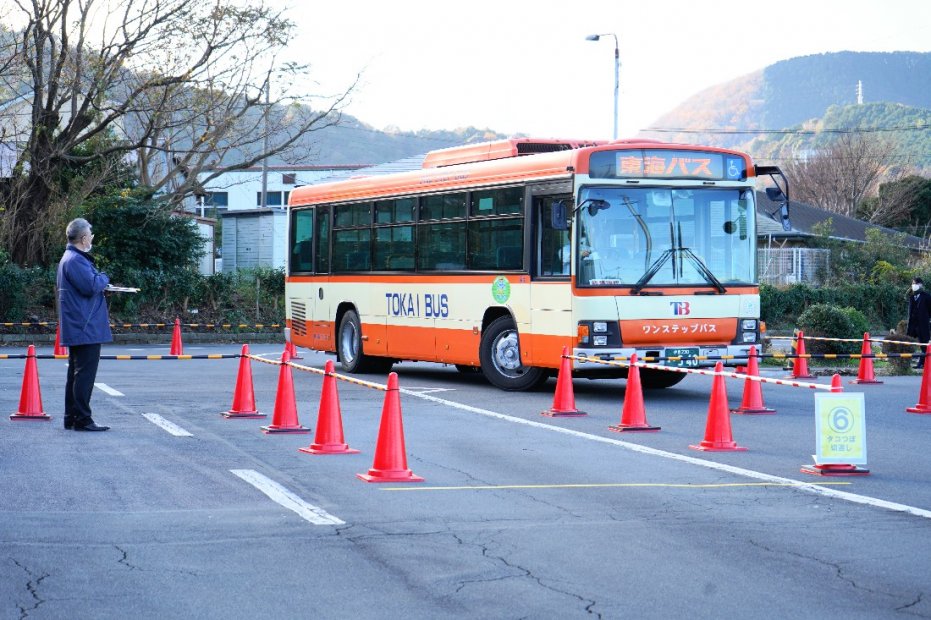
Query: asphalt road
x,y
519,516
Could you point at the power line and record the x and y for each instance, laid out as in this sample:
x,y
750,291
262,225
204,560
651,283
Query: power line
x,y
796,132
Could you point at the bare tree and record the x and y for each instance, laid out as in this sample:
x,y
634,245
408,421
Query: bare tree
x,y
840,176
173,86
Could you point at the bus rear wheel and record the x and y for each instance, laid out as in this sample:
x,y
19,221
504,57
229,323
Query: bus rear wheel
x,y
499,353
349,348
659,379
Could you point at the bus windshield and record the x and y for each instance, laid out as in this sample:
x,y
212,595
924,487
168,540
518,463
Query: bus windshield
x,y
655,237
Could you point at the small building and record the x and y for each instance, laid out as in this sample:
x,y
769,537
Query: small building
x,y
787,256
254,238
241,190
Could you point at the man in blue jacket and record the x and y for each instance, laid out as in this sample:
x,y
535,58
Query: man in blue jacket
x,y
84,321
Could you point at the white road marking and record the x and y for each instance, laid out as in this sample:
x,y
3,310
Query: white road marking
x,y
737,471
109,390
171,427
429,390
284,497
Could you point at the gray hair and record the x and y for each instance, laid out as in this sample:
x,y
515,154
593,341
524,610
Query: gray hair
x,y
77,228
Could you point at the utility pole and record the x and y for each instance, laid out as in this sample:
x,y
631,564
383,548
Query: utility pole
x,y
264,202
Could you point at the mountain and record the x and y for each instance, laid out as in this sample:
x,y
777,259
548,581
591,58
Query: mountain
x,y
354,142
820,90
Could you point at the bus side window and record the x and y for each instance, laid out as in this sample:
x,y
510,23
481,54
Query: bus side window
x,y
302,241
553,246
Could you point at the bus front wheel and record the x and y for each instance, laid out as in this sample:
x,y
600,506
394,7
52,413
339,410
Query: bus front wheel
x,y
349,346
499,353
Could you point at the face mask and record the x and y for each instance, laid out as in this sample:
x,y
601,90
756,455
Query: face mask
x,y
915,287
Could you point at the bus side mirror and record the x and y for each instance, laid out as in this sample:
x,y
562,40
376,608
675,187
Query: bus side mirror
x,y
559,215
775,194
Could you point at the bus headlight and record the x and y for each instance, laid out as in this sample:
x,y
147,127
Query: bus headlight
x,y
749,337
600,341
599,327
748,324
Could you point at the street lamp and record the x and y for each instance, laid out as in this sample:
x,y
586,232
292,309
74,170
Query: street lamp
x,y
617,69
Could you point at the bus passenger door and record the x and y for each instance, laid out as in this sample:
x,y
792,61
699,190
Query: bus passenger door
x,y
322,327
301,263
551,291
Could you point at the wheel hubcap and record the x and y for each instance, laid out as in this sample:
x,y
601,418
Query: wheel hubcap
x,y
507,354
348,346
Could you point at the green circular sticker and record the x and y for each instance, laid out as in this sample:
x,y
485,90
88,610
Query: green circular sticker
x,y
501,289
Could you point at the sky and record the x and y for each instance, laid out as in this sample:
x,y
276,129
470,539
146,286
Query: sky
x,y
524,66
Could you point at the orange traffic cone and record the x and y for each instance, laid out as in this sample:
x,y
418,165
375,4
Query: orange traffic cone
x,y
284,418
718,428
30,397
865,373
292,351
390,463
244,394
924,396
329,436
752,402
177,348
59,350
800,363
564,398
633,416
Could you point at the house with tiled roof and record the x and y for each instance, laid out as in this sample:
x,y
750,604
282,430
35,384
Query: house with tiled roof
x,y
787,256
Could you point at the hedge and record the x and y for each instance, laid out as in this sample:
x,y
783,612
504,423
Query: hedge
x,y
883,305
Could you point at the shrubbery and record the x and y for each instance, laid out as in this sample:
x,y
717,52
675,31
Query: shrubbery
x,y
827,321
882,306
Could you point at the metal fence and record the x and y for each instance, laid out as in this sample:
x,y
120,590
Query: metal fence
x,y
793,265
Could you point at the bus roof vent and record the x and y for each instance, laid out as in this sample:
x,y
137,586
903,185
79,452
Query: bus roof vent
x,y
500,149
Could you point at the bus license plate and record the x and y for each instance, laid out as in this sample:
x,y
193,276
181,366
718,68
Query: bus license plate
x,y
683,352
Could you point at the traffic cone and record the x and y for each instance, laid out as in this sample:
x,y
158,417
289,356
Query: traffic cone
x,y
244,394
752,402
177,348
564,397
329,436
292,351
800,363
633,416
30,397
284,418
390,463
718,428
865,373
59,350
924,396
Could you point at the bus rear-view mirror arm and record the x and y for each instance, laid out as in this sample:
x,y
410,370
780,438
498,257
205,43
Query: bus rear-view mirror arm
x,y
560,211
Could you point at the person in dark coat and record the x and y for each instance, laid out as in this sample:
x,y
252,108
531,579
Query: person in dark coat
x,y
919,316
84,322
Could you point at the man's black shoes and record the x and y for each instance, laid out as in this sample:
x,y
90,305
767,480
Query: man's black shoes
x,y
91,426
69,424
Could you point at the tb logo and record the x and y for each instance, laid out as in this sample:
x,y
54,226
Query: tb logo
x,y
680,308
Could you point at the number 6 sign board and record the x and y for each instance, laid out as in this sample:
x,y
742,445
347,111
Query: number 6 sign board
x,y
840,429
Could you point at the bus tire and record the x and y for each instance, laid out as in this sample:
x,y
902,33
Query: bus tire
x,y
499,353
349,348
659,379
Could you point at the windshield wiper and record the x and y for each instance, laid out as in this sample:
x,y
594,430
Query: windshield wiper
x,y
701,268
683,253
652,271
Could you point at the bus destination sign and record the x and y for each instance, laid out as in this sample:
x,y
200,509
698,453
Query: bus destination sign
x,y
667,164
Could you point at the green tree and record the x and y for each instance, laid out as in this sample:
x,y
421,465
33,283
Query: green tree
x,y
134,232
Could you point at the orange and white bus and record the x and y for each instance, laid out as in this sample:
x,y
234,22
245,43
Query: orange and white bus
x,y
495,256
